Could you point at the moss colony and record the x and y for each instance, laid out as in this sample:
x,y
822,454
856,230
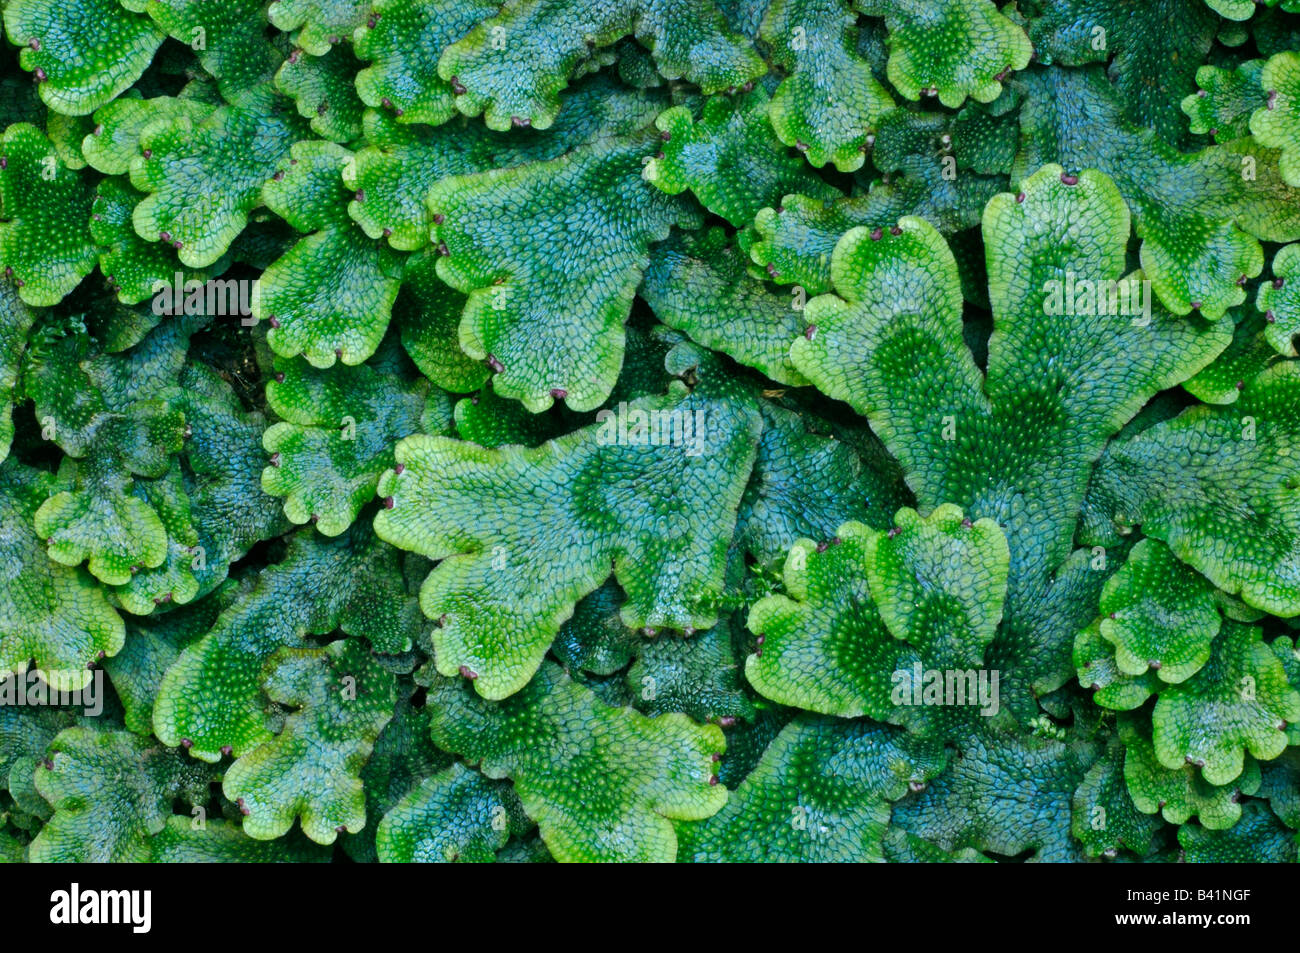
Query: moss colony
x,y
660,430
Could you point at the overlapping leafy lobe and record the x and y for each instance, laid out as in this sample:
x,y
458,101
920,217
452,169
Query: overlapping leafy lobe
x,y
698,675
548,253
1159,613
319,24
863,614
700,285
1199,215
1180,792
1239,701
18,321
456,815
403,40
338,433
512,67
1183,481
118,419
602,783
1104,818
1277,123
111,791
51,613
729,157
331,295
322,87
1153,48
939,582
82,53
203,178
400,163
830,101
1258,838
949,48
1222,381
219,841
649,493
940,167
45,247
820,793
1225,99
138,269
152,645
1279,300
229,37
807,482
1002,793
342,698
212,697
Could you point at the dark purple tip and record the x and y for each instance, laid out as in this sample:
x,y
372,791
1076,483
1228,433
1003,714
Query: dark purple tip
x,y
1069,179
467,672
389,502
